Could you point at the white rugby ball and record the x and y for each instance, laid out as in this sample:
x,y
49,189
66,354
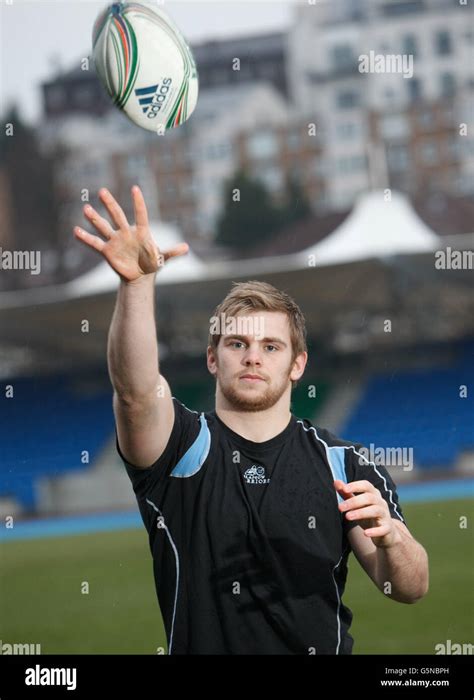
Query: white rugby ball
x,y
145,65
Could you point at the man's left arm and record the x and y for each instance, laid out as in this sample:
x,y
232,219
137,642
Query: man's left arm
x,y
383,545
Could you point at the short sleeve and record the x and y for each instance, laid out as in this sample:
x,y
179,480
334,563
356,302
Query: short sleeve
x,y
184,432
359,467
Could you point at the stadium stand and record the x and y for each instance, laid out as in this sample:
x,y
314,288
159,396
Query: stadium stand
x,y
53,421
426,410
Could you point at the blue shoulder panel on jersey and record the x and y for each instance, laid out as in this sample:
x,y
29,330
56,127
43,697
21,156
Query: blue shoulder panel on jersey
x,y
193,459
336,457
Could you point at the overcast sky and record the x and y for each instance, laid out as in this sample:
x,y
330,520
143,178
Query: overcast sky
x,y
35,35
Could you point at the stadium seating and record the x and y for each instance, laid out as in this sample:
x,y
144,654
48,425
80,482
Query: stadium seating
x,y
419,408
48,426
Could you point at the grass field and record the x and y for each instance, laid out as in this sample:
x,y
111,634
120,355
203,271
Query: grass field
x,y
41,600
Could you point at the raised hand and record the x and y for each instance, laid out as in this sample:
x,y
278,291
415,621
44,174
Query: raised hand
x,y
130,250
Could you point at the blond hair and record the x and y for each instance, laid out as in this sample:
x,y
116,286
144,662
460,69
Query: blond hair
x,y
261,296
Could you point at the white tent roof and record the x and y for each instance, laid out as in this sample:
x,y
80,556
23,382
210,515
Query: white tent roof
x,y
375,228
180,269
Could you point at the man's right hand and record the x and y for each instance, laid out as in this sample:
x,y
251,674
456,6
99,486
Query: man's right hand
x,y
130,250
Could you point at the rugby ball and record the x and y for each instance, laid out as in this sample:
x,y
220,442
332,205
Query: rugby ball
x,y
145,65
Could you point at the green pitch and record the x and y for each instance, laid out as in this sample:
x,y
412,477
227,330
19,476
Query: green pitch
x,y
43,599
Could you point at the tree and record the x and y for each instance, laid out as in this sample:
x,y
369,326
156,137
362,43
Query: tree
x,y
30,183
297,206
249,215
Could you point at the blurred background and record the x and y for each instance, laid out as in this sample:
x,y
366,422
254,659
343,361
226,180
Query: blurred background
x,y
356,197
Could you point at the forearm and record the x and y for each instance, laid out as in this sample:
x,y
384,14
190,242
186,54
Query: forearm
x,y
401,570
132,351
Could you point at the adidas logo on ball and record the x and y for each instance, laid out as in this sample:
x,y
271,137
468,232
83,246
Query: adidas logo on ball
x,y
152,98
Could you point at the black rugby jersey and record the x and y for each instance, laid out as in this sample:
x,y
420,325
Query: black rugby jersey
x,y
249,548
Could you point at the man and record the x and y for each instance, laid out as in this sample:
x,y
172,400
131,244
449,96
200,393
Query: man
x,y
251,512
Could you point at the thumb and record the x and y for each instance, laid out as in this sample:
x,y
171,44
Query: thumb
x,y
342,490
180,249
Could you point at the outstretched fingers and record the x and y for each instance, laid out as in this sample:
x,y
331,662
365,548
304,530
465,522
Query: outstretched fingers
x,y
113,207
90,240
101,224
139,207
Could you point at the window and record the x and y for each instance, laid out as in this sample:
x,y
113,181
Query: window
x,y
410,45
426,119
448,84
414,89
347,99
135,165
351,164
464,184
189,154
262,144
394,126
443,43
293,140
429,152
401,7
454,147
398,157
342,57
447,114
320,167
218,151
347,131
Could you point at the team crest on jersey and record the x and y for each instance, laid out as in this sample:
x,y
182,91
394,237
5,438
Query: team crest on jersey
x,y
255,475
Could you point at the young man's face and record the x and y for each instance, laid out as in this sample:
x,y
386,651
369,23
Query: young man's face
x,y
254,367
